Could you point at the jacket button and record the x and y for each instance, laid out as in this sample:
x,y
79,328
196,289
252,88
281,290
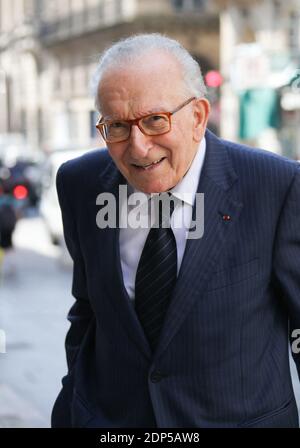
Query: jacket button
x,y
156,376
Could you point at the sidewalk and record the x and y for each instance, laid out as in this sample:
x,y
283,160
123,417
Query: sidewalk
x,y
15,412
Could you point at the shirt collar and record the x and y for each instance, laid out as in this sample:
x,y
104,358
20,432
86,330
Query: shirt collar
x,y
186,188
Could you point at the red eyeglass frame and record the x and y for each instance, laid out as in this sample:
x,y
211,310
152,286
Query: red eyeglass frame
x,y
136,121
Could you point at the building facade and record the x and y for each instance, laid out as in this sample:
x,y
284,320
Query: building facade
x,y
49,50
260,64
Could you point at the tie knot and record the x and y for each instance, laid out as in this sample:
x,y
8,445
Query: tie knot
x,y
164,205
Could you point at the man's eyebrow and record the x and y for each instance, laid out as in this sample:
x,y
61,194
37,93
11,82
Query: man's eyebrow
x,y
155,110
109,117
142,114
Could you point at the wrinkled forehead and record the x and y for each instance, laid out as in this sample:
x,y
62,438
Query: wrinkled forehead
x,y
153,63
151,81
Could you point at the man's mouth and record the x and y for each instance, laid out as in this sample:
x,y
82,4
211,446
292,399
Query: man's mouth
x,y
149,165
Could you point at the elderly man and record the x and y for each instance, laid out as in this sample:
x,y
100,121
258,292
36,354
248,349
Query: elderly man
x,y
168,329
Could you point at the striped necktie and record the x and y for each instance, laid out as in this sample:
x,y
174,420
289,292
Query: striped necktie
x,y
157,271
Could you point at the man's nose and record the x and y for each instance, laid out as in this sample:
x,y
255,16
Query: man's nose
x,y
139,143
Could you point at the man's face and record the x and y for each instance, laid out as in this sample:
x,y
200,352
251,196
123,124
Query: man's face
x,y
157,86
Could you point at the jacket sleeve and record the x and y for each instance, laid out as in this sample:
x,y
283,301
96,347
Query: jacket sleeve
x,y
287,261
80,314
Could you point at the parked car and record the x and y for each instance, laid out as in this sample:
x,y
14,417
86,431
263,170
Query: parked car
x,y
13,202
23,164
13,190
49,206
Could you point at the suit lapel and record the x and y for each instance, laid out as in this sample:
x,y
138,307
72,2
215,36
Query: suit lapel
x,y
108,243
202,254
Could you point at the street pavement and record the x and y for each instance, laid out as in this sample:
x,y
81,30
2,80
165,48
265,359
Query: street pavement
x,y
34,302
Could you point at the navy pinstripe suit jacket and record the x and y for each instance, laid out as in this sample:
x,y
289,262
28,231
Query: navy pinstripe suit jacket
x,y
222,359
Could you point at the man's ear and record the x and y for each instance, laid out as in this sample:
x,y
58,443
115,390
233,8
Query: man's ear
x,y
201,113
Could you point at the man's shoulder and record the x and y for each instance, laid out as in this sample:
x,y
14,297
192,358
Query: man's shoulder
x,y
93,161
246,153
256,160
82,174
85,169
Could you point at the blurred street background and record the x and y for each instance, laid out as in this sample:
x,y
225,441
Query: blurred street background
x,y
249,53
35,298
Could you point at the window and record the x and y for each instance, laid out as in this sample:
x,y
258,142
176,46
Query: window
x,y
189,5
294,31
178,4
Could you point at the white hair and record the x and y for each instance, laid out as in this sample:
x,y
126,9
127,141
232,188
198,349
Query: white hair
x,y
126,50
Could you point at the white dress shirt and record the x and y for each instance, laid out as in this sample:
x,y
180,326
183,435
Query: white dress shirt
x,y
132,240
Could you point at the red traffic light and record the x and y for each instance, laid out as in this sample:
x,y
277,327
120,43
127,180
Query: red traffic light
x,y
213,78
20,192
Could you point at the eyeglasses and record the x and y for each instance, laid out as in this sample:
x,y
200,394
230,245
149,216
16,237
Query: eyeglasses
x,y
158,123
